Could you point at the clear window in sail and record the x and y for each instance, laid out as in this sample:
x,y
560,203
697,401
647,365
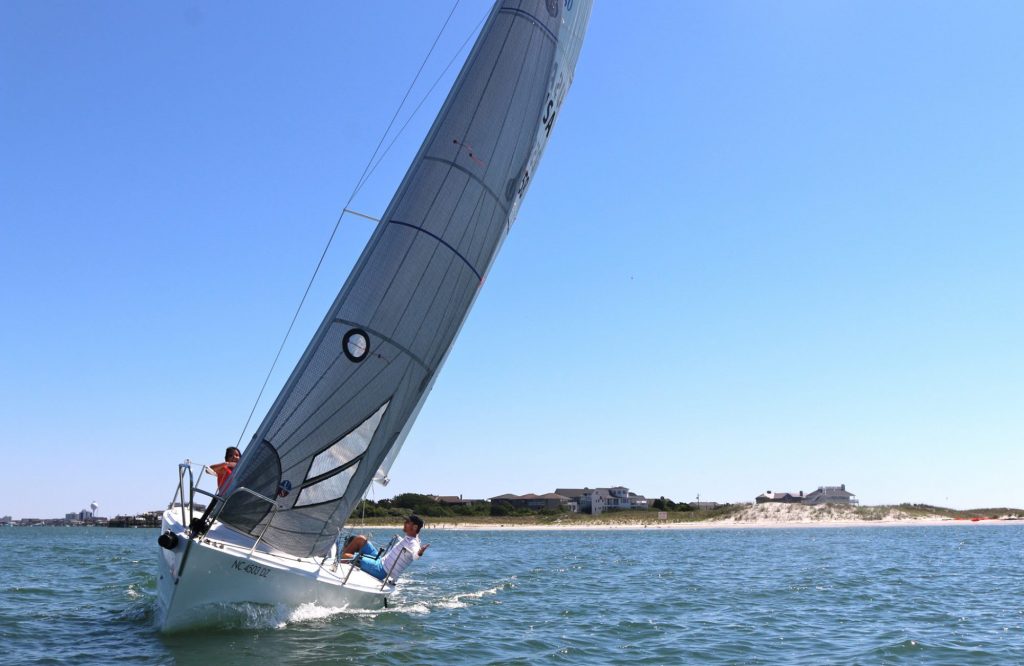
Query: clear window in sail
x,y
349,447
327,490
355,344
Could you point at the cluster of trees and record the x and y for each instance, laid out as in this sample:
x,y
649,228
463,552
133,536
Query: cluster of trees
x,y
426,505
663,504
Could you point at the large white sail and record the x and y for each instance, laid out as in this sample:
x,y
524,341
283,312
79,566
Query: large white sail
x,y
351,399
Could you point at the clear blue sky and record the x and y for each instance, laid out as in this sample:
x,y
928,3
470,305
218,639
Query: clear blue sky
x,y
771,246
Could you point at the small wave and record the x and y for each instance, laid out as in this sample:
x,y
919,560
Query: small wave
x,y
953,654
460,600
31,591
418,608
136,613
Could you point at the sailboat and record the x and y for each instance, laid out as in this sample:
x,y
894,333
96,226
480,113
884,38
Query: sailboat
x,y
348,405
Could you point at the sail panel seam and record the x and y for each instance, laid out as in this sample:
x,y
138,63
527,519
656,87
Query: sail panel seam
x,y
472,176
433,137
477,215
442,242
536,21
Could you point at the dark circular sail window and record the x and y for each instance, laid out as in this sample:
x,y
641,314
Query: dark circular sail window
x,y
356,345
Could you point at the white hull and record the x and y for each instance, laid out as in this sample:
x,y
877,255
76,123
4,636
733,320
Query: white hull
x,y
219,570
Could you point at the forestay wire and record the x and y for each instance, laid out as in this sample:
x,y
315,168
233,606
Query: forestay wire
x,y
367,170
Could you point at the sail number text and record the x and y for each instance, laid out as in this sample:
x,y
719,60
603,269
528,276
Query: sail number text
x,y
552,103
250,568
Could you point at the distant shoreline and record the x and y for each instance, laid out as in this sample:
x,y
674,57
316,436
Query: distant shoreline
x,y
741,516
768,515
695,525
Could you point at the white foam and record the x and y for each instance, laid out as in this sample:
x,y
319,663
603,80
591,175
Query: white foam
x,y
311,612
280,616
459,600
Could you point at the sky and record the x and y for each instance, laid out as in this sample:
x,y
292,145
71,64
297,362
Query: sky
x,y
771,245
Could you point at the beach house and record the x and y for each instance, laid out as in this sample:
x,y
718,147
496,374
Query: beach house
x,y
823,495
831,495
455,500
548,501
598,500
780,497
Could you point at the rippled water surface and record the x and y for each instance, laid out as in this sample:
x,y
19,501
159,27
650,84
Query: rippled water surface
x,y
862,595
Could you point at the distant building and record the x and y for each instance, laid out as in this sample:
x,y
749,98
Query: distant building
x,y
577,502
823,495
638,502
595,501
6,520
549,501
456,500
147,519
780,497
83,516
598,500
447,499
831,495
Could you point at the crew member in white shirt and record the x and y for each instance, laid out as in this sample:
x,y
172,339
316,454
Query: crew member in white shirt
x,y
395,559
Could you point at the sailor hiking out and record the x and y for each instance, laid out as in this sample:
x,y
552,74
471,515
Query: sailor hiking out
x,y
395,559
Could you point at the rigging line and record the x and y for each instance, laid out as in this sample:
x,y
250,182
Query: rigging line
x,y
366,169
359,184
412,115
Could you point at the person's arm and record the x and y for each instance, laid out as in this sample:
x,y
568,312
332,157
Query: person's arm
x,y
423,549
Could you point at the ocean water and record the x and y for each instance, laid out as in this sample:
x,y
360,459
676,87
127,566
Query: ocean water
x,y
859,595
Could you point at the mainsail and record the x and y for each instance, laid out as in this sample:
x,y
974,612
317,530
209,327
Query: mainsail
x,y
349,403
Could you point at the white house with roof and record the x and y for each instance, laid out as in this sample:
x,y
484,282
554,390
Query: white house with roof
x,y
598,500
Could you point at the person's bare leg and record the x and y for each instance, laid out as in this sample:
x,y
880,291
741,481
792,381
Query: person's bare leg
x,y
353,546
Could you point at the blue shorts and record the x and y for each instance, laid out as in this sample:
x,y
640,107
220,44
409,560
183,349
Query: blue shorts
x,y
370,562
